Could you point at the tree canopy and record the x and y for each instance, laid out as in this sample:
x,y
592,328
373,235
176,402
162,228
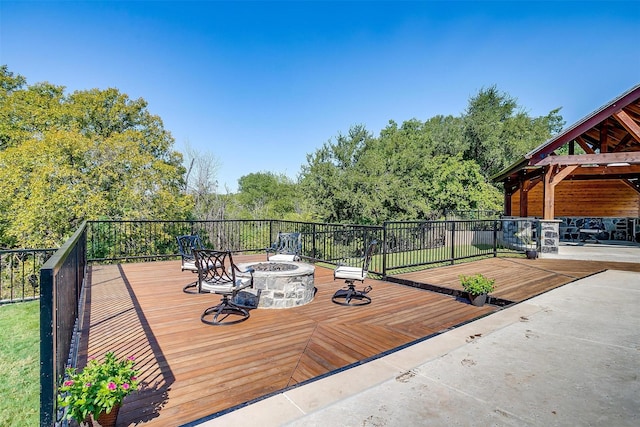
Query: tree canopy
x,y
269,195
420,170
87,155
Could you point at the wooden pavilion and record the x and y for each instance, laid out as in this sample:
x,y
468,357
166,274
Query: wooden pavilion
x,y
592,169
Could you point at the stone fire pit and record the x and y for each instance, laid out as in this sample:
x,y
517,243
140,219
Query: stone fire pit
x,y
277,284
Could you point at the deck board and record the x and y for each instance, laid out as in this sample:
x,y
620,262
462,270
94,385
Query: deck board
x,y
191,370
517,279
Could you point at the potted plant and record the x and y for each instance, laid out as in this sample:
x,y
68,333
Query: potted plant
x,y
96,392
529,244
477,287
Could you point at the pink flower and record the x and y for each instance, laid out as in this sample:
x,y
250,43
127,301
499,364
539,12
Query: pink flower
x,y
68,383
125,386
87,385
112,385
131,358
133,378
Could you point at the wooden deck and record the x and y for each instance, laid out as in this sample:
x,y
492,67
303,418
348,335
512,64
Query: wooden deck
x,y
517,279
191,370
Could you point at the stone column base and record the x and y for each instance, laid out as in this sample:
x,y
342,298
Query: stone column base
x,y
548,237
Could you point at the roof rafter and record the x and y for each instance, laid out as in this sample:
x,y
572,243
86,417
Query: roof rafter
x,y
628,123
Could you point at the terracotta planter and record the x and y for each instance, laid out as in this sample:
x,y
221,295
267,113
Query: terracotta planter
x,y
103,419
478,300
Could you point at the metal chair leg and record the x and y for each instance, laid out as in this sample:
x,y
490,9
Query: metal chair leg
x,y
226,309
351,296
191,288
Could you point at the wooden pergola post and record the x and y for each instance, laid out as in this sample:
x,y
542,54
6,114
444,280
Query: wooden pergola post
x,y
553,175
524,199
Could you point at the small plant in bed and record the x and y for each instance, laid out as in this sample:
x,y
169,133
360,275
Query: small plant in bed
x,y
477,286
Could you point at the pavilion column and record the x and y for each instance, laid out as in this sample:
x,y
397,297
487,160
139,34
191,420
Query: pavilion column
x,y
524,199
552,177
549,194
507,202
525,187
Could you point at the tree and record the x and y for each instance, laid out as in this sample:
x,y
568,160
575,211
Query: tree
x,y
335,180
497,132
88,155
268,195
456,184
201,184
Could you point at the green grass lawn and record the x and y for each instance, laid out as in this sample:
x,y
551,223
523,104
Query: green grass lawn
x,y
20,364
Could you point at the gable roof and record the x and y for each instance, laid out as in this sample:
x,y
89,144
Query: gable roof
x,y
616,124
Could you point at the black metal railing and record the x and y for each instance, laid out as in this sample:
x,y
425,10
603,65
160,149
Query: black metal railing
x,y
62,283
148,239
110,241
402,244
472,214
20,273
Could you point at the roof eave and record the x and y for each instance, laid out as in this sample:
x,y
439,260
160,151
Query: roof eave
x,y
515,167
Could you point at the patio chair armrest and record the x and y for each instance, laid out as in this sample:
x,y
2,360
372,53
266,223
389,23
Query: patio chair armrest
x,y
248,283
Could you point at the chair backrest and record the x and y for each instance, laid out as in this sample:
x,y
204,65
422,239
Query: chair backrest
x,y
215,267
368,255
288,243
186,245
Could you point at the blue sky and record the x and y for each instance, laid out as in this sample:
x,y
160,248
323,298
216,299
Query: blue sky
x,y
260,85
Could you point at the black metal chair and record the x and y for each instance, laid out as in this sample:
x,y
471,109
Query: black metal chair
x,y
287,247
186,245
349,295
217,274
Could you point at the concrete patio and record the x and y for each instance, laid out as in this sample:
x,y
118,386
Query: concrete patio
x,y
608,250
567,357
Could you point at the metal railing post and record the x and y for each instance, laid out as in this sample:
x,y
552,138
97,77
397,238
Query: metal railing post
x,y
313,244
47,348
453,242
270,232
495,238
384,250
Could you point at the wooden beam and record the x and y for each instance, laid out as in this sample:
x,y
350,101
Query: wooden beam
x,y
592,159
623,143
633,186
608,170
524,203
597,178
604,136
628,123
585,145
562,174
507,202
549,194
553,175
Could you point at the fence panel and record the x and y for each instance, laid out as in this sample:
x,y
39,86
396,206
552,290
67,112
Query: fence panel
x,y
62,279
414,243
20,273
402,244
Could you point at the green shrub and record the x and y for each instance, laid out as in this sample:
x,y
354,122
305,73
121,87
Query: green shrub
x,y
477,284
